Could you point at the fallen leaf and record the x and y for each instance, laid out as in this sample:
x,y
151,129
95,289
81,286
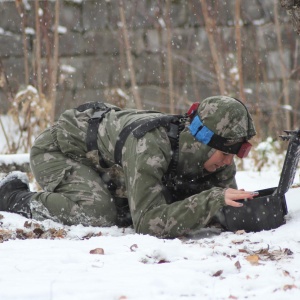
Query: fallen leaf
x,y
60,233
38,232
133,247
91,234
1,217
243,250
238,265
237,242
288,251
218,273
27,224
123,298
264,251
163,261
253,259
289,287
97,251
232,297
240,232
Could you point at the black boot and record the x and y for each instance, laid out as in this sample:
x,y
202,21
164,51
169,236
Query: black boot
x,y
15,194
123,212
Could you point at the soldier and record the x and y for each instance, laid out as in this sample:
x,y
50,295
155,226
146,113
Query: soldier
x,y
167,175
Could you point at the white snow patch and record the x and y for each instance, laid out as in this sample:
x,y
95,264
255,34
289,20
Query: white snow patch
x,y
29,30
62,29
14,175
67,69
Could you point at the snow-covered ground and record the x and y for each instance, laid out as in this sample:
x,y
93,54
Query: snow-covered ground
x,y
60,264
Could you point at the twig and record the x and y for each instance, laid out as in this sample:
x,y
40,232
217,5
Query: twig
x,y
210,27
53,82
169,58
38,47
5,135
22,12
239,48
134,86
282,67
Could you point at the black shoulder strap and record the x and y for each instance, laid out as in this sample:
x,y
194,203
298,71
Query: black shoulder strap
x,y
140,127
122,139
96,105
100,109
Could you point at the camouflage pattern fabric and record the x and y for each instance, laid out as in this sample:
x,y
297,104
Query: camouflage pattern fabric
x,y
226,117
74,183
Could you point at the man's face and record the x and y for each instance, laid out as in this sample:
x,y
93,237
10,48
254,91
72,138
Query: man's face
x,y
218,160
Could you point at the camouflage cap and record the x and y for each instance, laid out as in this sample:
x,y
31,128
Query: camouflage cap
x,y
227,117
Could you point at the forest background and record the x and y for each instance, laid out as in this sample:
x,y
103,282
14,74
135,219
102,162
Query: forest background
x,y
160,55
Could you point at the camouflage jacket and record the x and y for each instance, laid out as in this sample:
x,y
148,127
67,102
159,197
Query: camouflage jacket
x,y
144,163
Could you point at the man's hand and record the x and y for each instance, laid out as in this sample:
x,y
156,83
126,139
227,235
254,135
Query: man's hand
x,y
231,195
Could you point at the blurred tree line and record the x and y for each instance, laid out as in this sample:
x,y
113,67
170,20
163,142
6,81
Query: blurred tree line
x,y
149,54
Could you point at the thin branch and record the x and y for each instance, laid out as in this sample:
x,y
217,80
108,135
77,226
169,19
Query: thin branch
x,y
210,27
282,67
239,48
38,47
53,82
134,86
169,58
6,136
22,12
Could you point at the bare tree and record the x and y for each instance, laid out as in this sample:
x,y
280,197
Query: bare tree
x,y
283,69
53,76
169,57
210,27
134,86
239,48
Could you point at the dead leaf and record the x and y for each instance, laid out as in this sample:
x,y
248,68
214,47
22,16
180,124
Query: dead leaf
x,y
1,217
97,251
218,273
60,233
289,287
232,297
240,232
238,265
243,250
288,251
264,251
253,259
38,232
133,247
29,224
123,298
91,234
163,261
5,235
237,242
20,234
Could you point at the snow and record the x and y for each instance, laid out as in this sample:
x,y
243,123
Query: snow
x,y
208,265
29,88
67,69
62,29
287,107
29,30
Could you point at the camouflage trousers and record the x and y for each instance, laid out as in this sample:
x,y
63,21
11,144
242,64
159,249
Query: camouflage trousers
x,y
73,192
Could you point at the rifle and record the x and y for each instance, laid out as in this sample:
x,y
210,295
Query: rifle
x,y
267,210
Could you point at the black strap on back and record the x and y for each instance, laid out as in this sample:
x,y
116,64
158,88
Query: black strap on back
x,y
140,127
92,131
100,109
